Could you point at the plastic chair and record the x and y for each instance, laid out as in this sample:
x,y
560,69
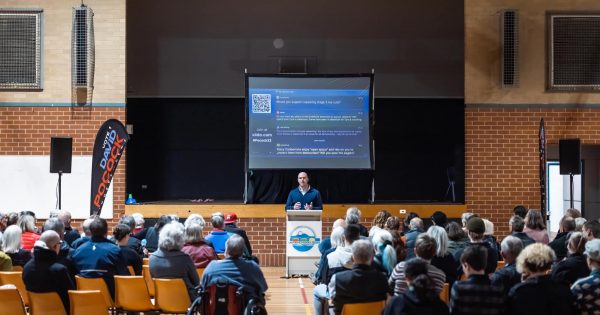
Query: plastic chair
x,y
445,294
146,261
95,284
17,268
131,271
200,272
171,296
501,264
45,304
132,295
11,302
363,308
15,278
221,256
89,302
148,279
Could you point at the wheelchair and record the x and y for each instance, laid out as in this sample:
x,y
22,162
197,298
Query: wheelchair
x,y
223,299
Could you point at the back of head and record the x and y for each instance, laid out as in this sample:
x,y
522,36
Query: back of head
x,y
120,231
162,221
425,247
217,221
579,222
535,258
409,218
139,219
337,237
416,224
55,224
353,216
576,244
573,213
511,247
12,218
85,226
455,232
171,237
352,233
50,239
520,211
98,228
27,223
516,223
567,224
534,220
393,223
464,218
65,216
592,250
593,228
194,219
339,223
234,247
476,228
128,220
415,271
11,239
383,243
475,256
440,236
380,218
362,252
193,233
489,227
439,218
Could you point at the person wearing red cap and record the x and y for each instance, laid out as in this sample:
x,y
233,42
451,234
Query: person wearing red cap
x,y
230,219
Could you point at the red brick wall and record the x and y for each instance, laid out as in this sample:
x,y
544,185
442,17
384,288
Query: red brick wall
x,y
27,131
501,155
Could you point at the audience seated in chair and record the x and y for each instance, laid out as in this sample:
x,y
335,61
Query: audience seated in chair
x,y
361,284
28,232
71,234
425,248
99,257
559,244
393,225
537,294
170,262
336,261
230,227
508,276
477,295
575,265
121,234
336,240
420,298
44,273
11,244
218,236
379,222
442,259
353,216
151,234
416,228
237,271
196,247
535,226
516,224
87,234
326,244
591,229
133,243
65,256
587,290
5,261
476,228
385,254
457,239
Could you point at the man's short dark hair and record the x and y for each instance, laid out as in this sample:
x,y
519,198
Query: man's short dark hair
x,y
425,246
594,227
352,233
99,227
520,211
475,256
517,224
128,220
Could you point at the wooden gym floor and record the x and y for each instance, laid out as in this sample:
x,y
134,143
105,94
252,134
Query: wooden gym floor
x,y
288,296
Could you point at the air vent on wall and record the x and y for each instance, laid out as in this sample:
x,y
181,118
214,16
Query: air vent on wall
x,y
509,50
82,56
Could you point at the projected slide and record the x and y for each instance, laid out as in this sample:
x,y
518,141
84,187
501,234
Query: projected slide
x,y
309,122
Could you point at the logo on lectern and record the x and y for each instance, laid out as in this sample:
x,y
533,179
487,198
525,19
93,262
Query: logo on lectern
x,y
303,238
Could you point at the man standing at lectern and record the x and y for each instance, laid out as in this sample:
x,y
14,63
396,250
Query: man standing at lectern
x,y
304,197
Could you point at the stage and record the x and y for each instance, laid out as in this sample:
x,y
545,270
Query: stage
x,y
184,208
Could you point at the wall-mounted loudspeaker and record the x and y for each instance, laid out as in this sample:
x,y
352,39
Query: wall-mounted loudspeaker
x,y
61,151
509,48
569,151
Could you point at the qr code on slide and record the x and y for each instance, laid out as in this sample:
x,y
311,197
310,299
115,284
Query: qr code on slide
x,y
261,103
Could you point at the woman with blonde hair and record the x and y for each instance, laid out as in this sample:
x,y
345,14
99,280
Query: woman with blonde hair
x,y
11,240
29,236
379,221
535,226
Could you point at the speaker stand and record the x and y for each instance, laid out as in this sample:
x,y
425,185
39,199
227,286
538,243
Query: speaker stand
x,y
451,189
572,189
59,190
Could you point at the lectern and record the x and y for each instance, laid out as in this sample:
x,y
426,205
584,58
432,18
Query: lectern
x,y
303,235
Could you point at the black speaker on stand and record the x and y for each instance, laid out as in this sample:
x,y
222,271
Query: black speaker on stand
x,y
61,154
569,152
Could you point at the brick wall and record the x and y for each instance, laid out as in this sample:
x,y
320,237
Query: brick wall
x,y
501,155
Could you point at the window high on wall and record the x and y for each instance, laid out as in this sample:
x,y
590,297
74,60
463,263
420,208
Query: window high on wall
x,y
20,48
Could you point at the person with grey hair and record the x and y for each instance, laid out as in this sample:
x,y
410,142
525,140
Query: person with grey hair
x,y
443,259
70,234
87,233
464,218
587,290
508,276
326,243
579,222
218,236
335,240
416,228
362,283
194,218
28,233
199,250
66,252
5,262
566,226
11,245
516,224
139,222
168,261
575,265
235,270
44,273
133,242
353,216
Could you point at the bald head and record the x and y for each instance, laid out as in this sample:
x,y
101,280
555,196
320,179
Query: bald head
x,y
303,180
51,239
339,222
85,226
65,216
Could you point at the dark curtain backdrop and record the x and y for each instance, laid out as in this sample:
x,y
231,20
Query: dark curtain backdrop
x,y
185,149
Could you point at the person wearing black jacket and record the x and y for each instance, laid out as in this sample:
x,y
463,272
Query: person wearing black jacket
x,y
508,276
476,228
559,244
44,274
70,234
65,253
575,265
230,219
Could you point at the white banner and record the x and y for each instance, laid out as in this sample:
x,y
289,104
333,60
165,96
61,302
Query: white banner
x,y
303,238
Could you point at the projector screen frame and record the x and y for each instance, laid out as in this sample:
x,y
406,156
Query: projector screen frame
x,y
371,121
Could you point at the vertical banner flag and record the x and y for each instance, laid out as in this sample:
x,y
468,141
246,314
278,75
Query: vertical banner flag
x,y
543,168
108,147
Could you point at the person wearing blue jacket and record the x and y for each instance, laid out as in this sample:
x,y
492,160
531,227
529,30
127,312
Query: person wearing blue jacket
x,y
304,197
